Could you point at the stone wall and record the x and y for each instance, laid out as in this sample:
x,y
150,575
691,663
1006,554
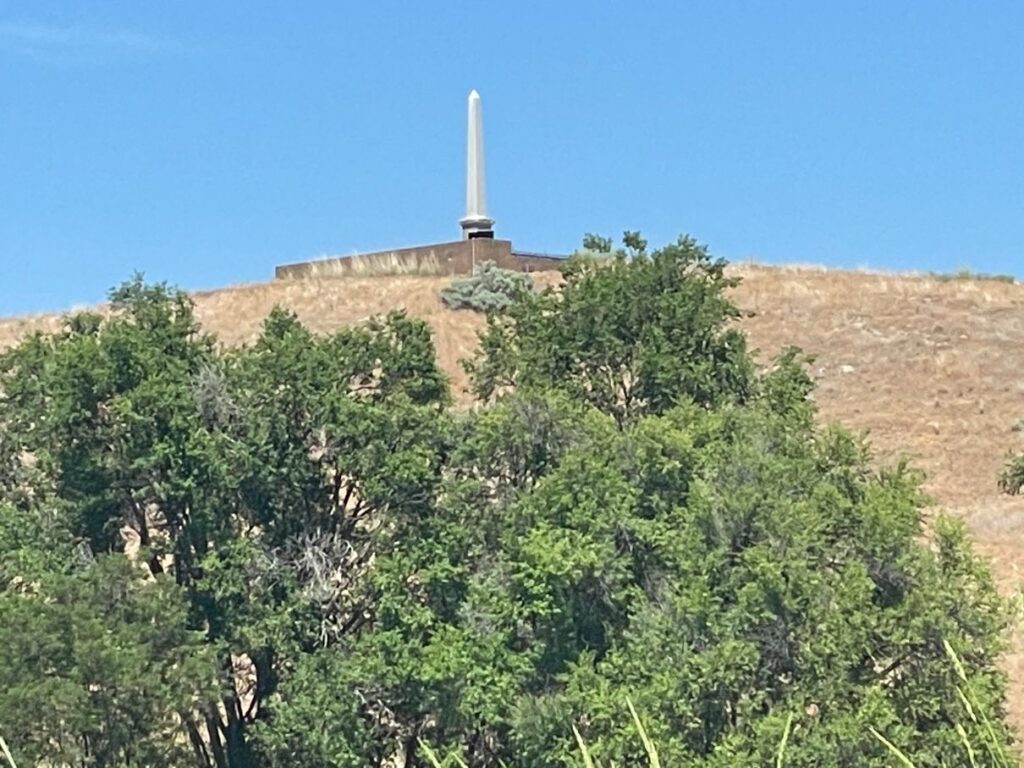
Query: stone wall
x,y
455,258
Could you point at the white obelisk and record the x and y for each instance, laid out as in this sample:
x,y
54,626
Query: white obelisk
x,y
475,223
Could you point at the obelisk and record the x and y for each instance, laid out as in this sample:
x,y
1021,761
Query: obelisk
x,y
475,223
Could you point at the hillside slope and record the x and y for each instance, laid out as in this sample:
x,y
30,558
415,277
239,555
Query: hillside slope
x,y
930,368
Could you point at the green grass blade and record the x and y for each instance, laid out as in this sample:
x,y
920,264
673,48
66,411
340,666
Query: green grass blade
x,y
892,748
431,755
957,663
588,761
782,744
967,744
967,704
994,746
7,753
652,753
434,760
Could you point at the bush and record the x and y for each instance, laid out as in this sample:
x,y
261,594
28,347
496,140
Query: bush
x,y
1011,480
489,289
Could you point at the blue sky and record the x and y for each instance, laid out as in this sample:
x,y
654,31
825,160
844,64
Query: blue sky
x,y
203,143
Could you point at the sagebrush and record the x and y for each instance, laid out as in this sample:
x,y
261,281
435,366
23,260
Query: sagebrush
x,y
489,289
1011,480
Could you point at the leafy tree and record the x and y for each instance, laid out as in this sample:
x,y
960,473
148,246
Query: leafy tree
x,y
632,334
97,663
725,569
704,549
597,244
260,481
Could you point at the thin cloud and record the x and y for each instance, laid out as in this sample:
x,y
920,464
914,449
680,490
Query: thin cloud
x,y
69,43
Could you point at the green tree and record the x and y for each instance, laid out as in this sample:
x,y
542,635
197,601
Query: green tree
x,y
260,482
725,569
632,334
97,664
703,548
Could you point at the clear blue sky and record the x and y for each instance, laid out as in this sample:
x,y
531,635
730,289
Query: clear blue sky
x,y
205,142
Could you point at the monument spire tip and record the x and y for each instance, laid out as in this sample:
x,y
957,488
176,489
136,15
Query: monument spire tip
x,y
476,222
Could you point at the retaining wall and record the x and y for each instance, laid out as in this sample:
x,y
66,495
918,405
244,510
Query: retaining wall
x,y
455,258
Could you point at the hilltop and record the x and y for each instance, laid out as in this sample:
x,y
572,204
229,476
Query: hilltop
x,y
929,367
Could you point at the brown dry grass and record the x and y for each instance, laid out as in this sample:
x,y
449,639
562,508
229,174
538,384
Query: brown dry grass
x,y
929,368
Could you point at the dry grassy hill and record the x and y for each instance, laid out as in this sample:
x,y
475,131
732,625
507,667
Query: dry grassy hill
x,y
931,368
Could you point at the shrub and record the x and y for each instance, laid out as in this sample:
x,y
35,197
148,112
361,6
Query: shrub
x,y
489,289
969,274
1011,480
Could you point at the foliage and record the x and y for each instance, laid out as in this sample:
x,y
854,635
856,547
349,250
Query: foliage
x,y
702,563
1011,480
965,273
95,661
597,244
231,472
631,334
637,549
489,289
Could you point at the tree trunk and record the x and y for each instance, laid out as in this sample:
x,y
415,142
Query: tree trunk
x,y
213,728
196,740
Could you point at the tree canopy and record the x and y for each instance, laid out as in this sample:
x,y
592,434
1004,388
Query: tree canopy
x,y
298,553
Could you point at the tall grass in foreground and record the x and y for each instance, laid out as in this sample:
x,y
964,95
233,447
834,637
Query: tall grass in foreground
x,y
998,756
997,753
7,753
652,753
653,761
